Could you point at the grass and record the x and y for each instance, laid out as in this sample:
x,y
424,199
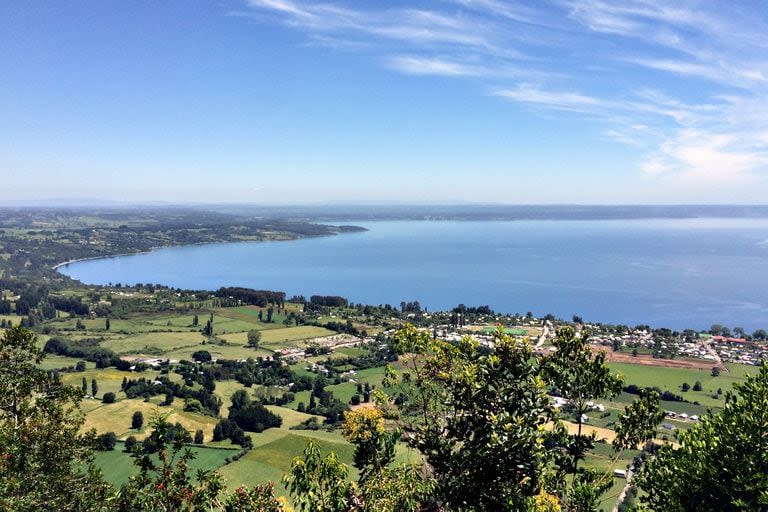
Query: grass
x,y
290,417
671,379
235,352
15,319
268,462
153,343
116,417
52,361
117,466
302,332
107,379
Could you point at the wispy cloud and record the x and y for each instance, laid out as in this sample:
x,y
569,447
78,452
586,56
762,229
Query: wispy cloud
x,y
563,100
688,80
415,65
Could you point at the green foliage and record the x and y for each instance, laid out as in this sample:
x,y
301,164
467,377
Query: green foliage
x,y
254,338
721,464
137,420
480,419
202,356
580,376
257,499
374,446
45,462
317,483
399,489
639,422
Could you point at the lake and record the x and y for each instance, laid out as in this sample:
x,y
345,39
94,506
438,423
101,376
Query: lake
x,y
663,272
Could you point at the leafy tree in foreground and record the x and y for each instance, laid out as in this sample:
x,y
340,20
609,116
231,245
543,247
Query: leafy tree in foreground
x,y
317,483
580,376
374,446
45,462
721,463
479,419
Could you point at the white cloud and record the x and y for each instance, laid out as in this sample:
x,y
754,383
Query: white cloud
x,y
414,65
688,80
565,100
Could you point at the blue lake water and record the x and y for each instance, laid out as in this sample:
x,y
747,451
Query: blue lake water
x,y
673,273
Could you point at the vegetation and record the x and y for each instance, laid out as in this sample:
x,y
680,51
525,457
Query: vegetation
x,y
721,463
250,378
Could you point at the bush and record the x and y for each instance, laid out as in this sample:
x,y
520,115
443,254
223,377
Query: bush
x,y
130,442
108,398
137,420
202,356
106,442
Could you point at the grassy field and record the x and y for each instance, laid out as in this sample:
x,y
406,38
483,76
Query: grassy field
x,y
671,379
287,334
116,417
117,465
268,462
153,343
108,379
52,361
217,352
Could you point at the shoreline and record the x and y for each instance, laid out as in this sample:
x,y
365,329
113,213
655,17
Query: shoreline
x,y
57,266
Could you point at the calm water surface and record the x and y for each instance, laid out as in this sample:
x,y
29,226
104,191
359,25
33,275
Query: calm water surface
x,y
674,273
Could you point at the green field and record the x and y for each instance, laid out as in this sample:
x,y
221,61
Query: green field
x,y
671,379
154,342
302,332
108,379
117,465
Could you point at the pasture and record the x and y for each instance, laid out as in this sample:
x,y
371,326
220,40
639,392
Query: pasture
x,y
117,466
671,379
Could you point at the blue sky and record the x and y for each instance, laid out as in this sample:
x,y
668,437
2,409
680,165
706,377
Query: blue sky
x,y
285,101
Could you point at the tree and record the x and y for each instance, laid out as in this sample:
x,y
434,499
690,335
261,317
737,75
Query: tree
x,y
685,387
202,356
697,386
270,312
137,420
84,386
106,324
374,446
580,376
45,460
94,388
106,442
760,335
80,367
720,463
715,371
479,419
130,443
108,397
317,483
195,321
260,498
254,338
199,437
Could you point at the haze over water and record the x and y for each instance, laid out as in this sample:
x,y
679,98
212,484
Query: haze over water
x,y
666,272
